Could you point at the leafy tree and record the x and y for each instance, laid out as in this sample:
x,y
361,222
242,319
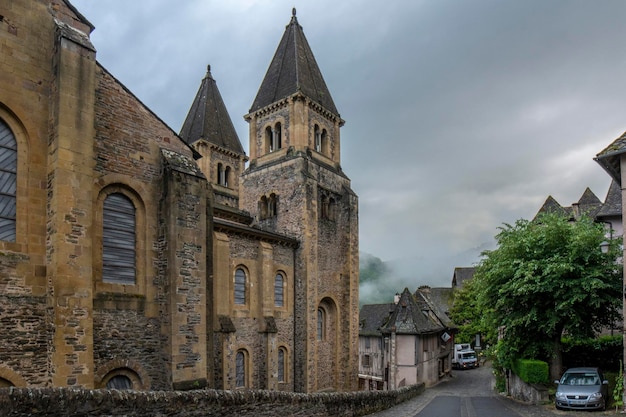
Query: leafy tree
x,y
547,277
469,315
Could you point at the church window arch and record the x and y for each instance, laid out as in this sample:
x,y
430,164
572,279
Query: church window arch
x,y
321,324
282,364
8,183
241,287
317,135
118,240
241,368
279,290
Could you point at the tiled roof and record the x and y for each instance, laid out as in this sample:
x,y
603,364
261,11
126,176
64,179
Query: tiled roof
x,y
372,317
552,206
609,158
613,202
462,274
413,315
208,118
293,69
440,300
589,203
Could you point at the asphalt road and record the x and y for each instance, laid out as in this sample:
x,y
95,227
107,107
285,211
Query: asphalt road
x,y
470,393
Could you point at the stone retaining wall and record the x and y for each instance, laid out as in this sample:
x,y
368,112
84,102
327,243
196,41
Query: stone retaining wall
x,y
529,393
66,402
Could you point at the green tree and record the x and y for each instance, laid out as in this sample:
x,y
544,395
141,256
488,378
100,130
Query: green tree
x,y
470,316
547,277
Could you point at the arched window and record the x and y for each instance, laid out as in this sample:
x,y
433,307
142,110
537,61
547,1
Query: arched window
x,y
220,174
263,205
279,291
317,135
282,364
324,143
272,205
276,138
240,287
241,367
324,204
227,174
8,183
269,137
321,324
118,240
332,208
120,382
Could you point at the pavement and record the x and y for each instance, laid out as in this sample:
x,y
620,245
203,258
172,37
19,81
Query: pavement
x,y
479,383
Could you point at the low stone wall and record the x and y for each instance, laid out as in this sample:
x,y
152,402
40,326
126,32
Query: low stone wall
x,y
529,393
66,402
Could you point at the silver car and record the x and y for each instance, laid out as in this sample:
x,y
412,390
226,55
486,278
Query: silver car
x,y
582,389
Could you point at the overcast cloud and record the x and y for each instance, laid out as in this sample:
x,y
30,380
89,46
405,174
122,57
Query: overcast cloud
x,y
460,115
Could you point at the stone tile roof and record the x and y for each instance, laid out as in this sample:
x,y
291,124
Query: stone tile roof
x,y
552,206
440,299
462,274
293,70
612,203
589,203
372,317
609,158
413,315
208,118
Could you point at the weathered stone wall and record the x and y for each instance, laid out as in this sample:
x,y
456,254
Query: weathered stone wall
x,y
17,402
529,393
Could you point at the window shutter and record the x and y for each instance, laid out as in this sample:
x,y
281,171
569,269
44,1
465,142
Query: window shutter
x,y
118,240
8,183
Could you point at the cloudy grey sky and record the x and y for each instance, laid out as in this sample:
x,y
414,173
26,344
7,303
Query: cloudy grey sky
x,y
460,115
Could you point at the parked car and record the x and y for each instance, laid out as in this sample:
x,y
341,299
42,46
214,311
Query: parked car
x,y
582,389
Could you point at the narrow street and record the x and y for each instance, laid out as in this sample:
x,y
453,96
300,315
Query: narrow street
x,y
470,394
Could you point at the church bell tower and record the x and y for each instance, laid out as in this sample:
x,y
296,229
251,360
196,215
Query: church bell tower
x,y
294,185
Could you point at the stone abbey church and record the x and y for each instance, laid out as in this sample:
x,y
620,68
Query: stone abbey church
x,y
134,256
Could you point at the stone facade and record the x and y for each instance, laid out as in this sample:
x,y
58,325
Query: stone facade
x,y
174,314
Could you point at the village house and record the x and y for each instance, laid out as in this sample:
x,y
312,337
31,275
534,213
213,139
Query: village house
x,y
406,342
134,256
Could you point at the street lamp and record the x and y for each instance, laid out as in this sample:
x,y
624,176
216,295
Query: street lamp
x,y
604,246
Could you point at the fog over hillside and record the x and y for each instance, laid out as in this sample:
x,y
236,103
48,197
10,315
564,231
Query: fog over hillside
x,y
380,280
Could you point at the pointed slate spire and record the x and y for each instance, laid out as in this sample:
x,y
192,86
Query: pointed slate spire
x,y
612,205
293,69
208,118
552,206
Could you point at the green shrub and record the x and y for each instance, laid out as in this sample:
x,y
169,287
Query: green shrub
x,y
603,352
531,371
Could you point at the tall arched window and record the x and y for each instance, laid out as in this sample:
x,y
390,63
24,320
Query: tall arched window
x,y
279,291
321,324
324,143
8,183
118,240
282,364
272,205
277,137
240,369
226,176
240,287
317,135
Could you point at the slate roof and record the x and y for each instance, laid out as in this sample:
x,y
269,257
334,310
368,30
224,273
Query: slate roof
x,y
462,274
612,203
208,118
552,206
589,203
440,300
609,158
293,69
413,315
372,317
